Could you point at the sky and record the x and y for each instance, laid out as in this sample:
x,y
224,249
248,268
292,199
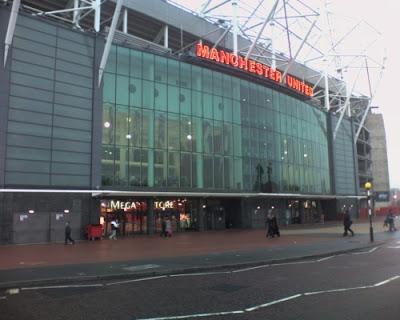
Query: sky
x,y
383,16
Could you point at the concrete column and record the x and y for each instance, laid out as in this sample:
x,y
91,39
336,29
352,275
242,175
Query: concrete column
x,y
150,216
201,215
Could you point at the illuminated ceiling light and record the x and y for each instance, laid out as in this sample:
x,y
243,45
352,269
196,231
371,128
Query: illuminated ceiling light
x,y
283,158
285,152
189,123
305,155
110,153
128,136
66,211
204,206
189,137
107,124
258,207
272,207
244,100
31,211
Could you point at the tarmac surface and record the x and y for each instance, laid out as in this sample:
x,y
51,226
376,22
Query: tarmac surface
x,y
143,256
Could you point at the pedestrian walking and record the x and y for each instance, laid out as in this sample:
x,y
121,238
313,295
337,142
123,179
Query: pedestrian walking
x,y
347,223
272,226
389,221
114,228
168,227
68,234
163,227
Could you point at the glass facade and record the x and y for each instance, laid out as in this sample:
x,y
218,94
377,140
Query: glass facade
x,y
169,124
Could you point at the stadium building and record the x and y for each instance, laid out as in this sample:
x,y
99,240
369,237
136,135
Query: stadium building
x,y
144,110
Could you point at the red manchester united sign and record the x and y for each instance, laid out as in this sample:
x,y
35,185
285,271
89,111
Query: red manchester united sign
x,y
254,67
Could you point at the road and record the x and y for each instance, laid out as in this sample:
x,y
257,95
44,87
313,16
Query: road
x,y
363,285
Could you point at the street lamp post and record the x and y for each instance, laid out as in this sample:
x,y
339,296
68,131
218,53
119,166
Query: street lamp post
x,y
368,187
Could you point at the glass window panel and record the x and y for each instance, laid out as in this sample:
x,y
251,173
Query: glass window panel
x,y
253,93
107,165
148,66
236,88
208,106
122,125
108,124
122,95
134,166
237,140
228,173
236,110
207,136
109,88
160,96
148,128
136,64
160,69
197,171
160,130
218,172
186,170
218,137
112,60
173,131
228,110
123,61
196,78
218,107
186,75
186,133
173,99
121,166
144,181
208,171
197,103
228,146
160,168
238,175
173,72
226,85
185,101
197,134
173,169
135,122
217,83
135,92
207,80
148,94
244,113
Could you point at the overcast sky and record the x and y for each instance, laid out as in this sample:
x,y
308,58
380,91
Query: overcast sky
x,y
384,16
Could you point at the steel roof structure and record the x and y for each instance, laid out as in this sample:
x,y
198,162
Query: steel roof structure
x,y
295,36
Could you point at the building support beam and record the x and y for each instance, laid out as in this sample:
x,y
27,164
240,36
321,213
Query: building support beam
x,y
166,36
270,16
97,14
293,59
125,21
215,7
76,13
221,37
11,28
109,39
235,25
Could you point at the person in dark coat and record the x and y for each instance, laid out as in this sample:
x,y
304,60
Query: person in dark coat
x,y
390,221
163,227
347,223
68,234
272,226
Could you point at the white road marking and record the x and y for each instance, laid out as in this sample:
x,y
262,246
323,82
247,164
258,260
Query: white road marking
x,y
265,305
199,315
251,268
65,286
134,280
198,274
141,267
268,304
12,291
366,252
394,247
326,258
3,298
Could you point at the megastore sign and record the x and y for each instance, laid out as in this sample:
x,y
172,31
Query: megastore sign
x,y
254,67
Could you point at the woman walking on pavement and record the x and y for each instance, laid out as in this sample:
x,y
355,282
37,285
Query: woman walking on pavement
x,y
347,223
272,225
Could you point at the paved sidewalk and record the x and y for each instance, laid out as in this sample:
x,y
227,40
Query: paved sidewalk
x,y
152,255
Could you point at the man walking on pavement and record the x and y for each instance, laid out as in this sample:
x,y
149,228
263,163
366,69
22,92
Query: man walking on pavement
x,y
68,234
114,227
347,223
